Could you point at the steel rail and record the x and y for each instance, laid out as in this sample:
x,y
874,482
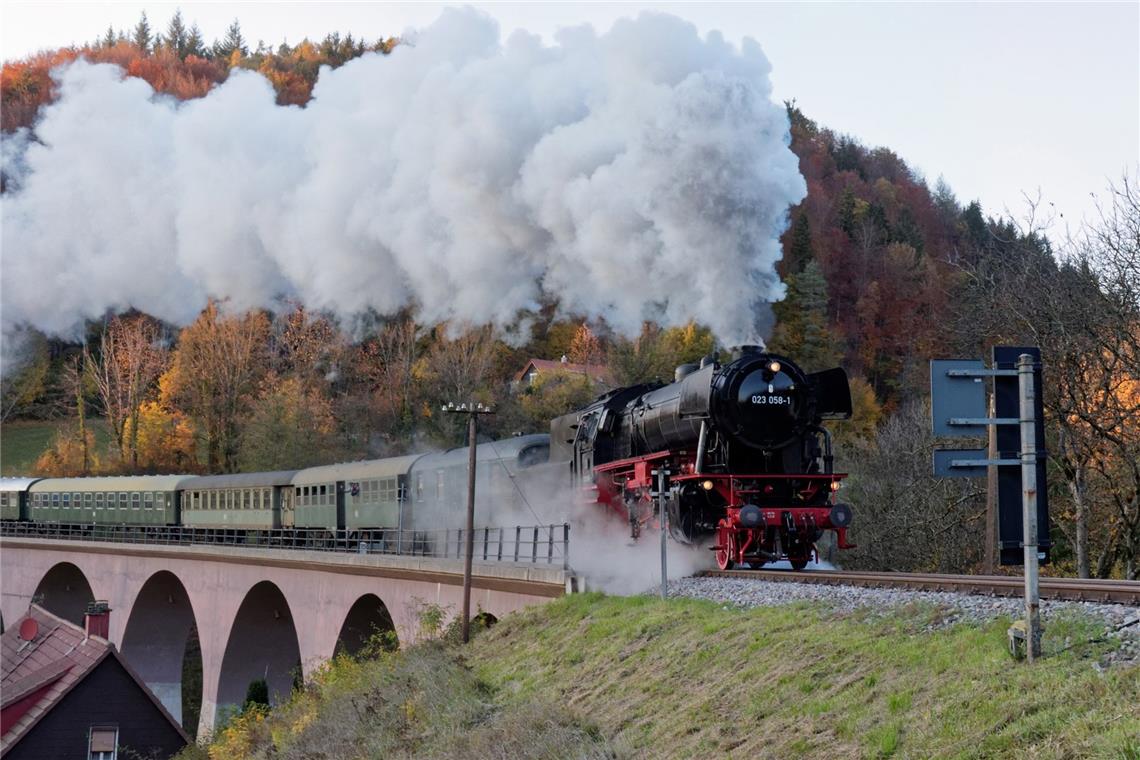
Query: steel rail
x,y
1072,589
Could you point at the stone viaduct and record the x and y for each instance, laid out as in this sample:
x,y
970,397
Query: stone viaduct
x,y
259,613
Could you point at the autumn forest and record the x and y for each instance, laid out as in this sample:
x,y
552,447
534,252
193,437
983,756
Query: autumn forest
x,y
885,270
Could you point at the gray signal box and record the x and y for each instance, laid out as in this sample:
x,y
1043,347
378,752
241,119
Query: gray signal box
x,y
958,397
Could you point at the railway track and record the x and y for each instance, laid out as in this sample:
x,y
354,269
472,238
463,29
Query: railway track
x,y
1073,589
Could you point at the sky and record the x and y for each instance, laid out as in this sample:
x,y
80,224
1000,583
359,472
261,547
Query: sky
x,y
1003,100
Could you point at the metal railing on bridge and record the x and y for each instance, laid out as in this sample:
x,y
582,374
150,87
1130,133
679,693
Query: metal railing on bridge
x,y
534,544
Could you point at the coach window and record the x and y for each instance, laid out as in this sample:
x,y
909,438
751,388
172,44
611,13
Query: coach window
x,y
160,500
88,498
439,485
123,500
419,487
55,501
148,500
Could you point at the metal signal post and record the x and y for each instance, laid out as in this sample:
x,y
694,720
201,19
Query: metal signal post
x,y
472,410
1029,504
663,520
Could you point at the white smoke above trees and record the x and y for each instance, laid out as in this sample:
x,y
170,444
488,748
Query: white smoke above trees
x,y
638,174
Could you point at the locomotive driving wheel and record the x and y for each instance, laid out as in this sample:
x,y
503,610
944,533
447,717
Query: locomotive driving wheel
x,y
725,546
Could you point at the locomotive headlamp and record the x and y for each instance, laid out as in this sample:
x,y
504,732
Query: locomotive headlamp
x,y
835,485
707,485
773,367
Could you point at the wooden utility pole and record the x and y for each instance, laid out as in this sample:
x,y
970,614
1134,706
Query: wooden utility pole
x,y
472,411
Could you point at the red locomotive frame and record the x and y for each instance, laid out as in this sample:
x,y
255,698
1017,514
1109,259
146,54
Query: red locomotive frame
x,y
788,531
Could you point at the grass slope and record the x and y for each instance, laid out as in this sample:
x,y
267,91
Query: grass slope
x,y
22,442
590,676
687,678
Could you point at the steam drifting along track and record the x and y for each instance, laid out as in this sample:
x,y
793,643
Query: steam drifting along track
x,y
1072,589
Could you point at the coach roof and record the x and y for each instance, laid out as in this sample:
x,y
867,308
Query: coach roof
x,y
17,485
241,480
116,483
364,470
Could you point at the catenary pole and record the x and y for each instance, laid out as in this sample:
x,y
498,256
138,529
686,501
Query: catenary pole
x,y
1029,504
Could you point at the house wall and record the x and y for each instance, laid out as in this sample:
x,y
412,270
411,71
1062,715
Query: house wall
x,y
107,696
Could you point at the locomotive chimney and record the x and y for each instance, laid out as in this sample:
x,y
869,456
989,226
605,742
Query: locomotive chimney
x,y
746,350
97,620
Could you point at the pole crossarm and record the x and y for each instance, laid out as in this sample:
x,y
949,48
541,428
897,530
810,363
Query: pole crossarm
x,y
985,462
981,373
984,421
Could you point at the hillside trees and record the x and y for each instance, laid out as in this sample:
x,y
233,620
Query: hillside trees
x,y
290,426
178,63
216,370
1082,311
132,354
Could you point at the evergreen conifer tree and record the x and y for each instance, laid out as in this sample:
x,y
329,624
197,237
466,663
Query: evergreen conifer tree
x,y
142,34
231,42
800,251
176,36
801,321
195,45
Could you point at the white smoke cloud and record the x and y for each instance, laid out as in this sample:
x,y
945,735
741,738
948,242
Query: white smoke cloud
x,y
638,174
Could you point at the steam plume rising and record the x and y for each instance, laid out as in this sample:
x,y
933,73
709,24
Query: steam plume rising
x,y
638,174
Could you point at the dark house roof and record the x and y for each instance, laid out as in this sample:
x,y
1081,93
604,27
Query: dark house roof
x,y
44,658
596,372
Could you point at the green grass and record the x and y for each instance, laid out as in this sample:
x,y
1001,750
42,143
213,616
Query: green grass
x,y
594,676
796,680
22,442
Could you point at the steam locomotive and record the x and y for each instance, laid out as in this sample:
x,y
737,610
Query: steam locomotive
x,y
734,451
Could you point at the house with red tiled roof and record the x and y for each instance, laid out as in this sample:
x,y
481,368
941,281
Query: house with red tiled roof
x,y
599,373
67,693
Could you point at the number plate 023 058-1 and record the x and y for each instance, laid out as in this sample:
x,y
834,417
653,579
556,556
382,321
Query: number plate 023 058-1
x,y
765,400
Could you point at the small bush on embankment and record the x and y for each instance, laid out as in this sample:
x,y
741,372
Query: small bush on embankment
x,y
686,678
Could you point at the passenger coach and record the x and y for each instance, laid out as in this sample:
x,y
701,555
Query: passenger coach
x,y
249,501
133,500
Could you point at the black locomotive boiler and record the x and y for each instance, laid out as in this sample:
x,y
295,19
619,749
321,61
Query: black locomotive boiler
x,y
747,459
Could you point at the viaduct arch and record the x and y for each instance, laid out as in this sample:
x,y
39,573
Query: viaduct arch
x,y
258,613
